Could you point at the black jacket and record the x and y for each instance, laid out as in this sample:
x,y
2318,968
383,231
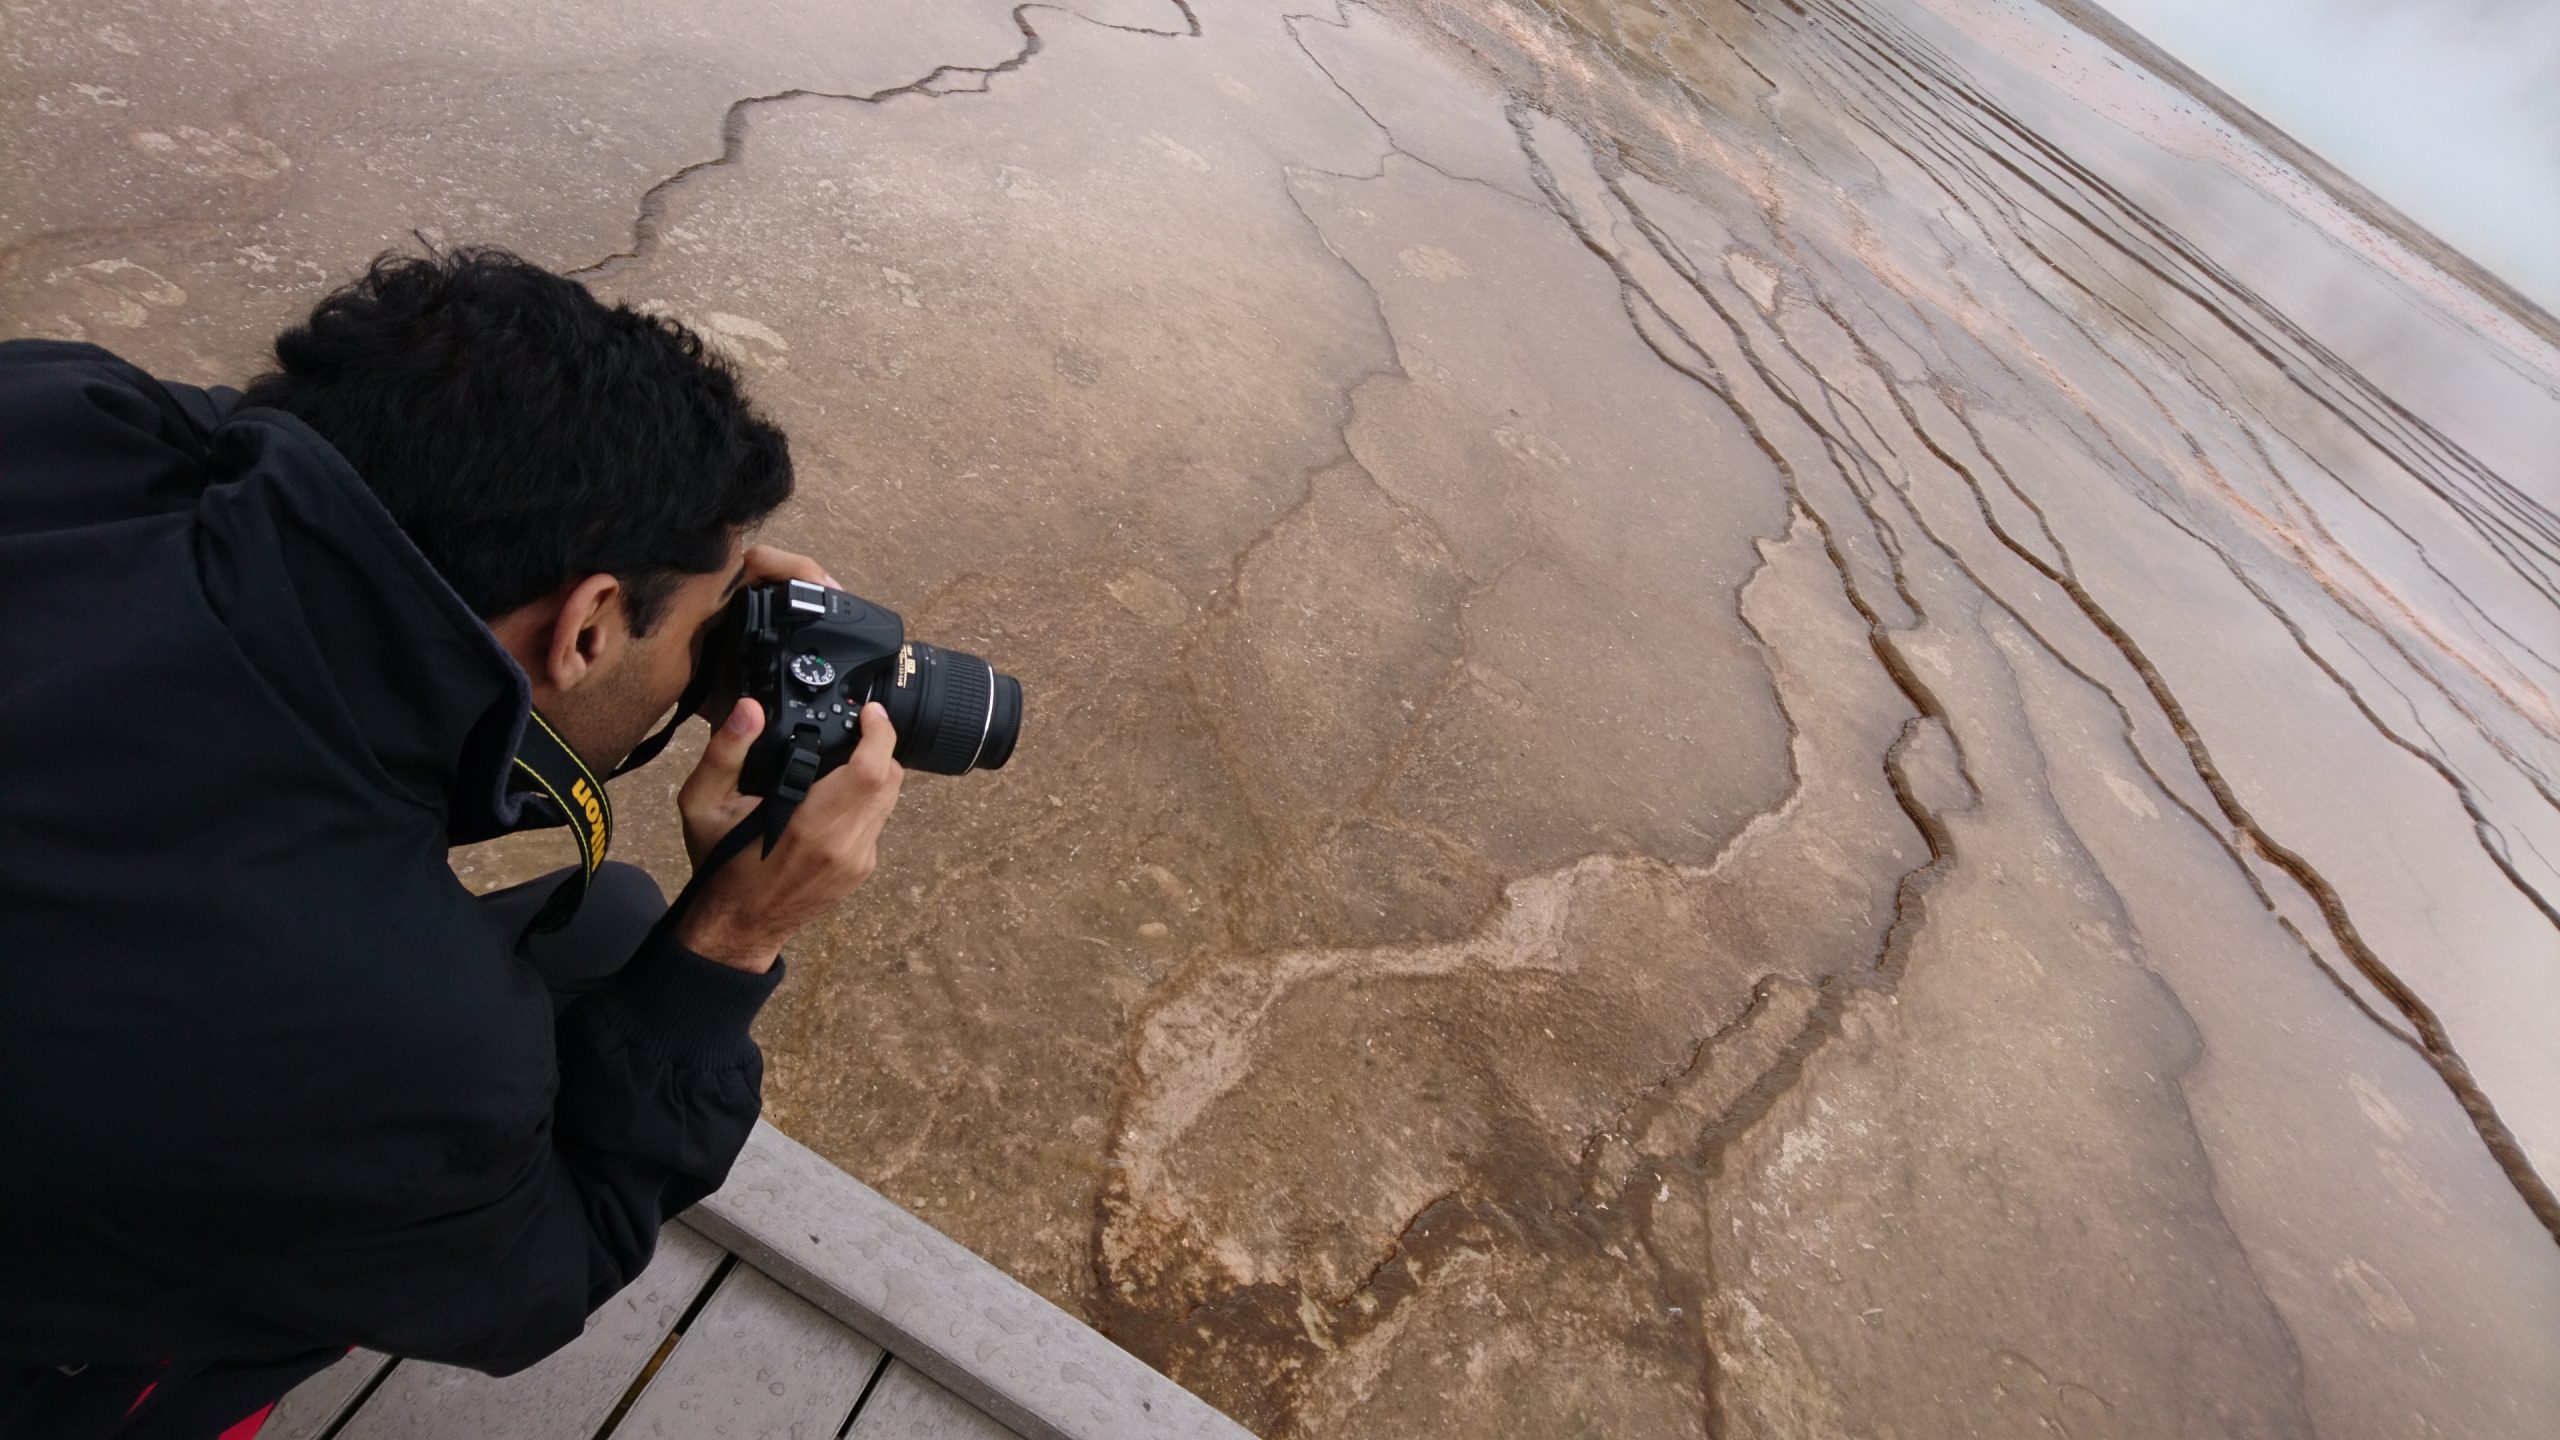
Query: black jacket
x,y
269,1080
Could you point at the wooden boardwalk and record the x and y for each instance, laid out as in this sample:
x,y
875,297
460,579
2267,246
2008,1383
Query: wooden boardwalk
x,y
795,1303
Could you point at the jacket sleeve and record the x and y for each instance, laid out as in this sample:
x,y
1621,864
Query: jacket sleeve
x,y
86,438
659,1087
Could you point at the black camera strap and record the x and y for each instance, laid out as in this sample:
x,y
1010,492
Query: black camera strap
x,y
696,691
799,772
557,771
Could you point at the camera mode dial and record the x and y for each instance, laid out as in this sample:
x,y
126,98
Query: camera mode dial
x,y
812,670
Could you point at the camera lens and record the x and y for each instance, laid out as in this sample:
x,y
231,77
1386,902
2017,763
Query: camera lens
x,y
954,711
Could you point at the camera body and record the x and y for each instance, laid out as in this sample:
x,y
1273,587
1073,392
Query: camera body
x,y
813,657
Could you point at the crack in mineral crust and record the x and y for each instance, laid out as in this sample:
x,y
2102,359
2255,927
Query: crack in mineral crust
x,y
934,85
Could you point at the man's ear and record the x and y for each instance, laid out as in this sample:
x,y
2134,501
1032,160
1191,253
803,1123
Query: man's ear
x,y
588,634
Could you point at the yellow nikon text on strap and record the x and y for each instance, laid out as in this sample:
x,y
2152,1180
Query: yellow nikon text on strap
x,y
547,762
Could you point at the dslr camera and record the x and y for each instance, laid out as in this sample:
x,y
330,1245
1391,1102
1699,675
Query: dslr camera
x,y
813,657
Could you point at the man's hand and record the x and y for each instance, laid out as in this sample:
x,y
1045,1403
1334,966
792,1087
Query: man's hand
x,y
757,902
759,564
765,562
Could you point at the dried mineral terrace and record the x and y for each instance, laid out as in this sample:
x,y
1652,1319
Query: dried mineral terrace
x,y
1747,717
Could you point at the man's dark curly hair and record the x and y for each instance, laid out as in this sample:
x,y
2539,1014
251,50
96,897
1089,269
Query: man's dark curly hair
x,y
525,434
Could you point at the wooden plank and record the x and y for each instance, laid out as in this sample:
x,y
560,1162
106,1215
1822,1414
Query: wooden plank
x,y
314,1405
565,1397
907,1406
758,1361
966,1325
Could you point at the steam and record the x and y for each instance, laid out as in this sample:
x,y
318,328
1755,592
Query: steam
x,y
2449,109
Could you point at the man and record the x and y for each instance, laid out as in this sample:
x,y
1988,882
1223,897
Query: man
x,y
272,1082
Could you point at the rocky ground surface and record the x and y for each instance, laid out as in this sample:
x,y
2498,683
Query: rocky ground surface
x,y
1748,717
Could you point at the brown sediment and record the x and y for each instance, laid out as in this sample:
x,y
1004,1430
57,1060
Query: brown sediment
x,y
1750,718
